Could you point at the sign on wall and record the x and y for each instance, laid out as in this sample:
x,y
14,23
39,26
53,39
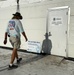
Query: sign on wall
x,y
56,21
34,46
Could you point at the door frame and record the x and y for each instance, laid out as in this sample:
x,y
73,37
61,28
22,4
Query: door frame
x,y
68,22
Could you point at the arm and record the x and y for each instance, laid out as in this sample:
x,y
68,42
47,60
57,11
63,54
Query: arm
x,y
23,33
22,30
5,38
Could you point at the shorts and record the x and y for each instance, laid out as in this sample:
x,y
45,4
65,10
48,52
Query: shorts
x,y
15,42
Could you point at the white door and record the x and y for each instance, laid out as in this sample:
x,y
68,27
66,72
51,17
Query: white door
x,y
58,25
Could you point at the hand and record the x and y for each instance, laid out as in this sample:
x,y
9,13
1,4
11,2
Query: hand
x,y
26,39
5,41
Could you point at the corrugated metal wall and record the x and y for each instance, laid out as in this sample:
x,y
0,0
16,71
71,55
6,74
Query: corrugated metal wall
x,y
34,21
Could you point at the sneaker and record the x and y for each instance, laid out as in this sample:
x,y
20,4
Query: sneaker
x,y
13,66
18,60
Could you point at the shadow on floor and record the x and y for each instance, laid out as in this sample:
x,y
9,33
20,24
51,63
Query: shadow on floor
x,y
24,62
32,59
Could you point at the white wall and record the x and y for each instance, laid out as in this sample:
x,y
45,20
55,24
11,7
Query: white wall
x,y
34,21
5,16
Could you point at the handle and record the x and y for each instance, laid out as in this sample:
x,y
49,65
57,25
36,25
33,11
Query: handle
x,y
50,34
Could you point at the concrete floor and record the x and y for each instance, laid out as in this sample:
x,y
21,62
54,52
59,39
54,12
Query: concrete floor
x,y
33,64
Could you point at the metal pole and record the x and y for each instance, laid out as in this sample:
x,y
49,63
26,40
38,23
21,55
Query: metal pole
x,y
47,21
18,7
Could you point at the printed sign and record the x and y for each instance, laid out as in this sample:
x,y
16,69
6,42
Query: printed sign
x,y
34,46
57,21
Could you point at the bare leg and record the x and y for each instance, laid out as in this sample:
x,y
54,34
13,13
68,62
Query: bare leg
x,y
14,54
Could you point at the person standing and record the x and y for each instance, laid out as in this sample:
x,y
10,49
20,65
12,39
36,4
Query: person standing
x,y
13,30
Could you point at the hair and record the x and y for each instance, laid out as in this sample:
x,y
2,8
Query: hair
x,y
15,17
